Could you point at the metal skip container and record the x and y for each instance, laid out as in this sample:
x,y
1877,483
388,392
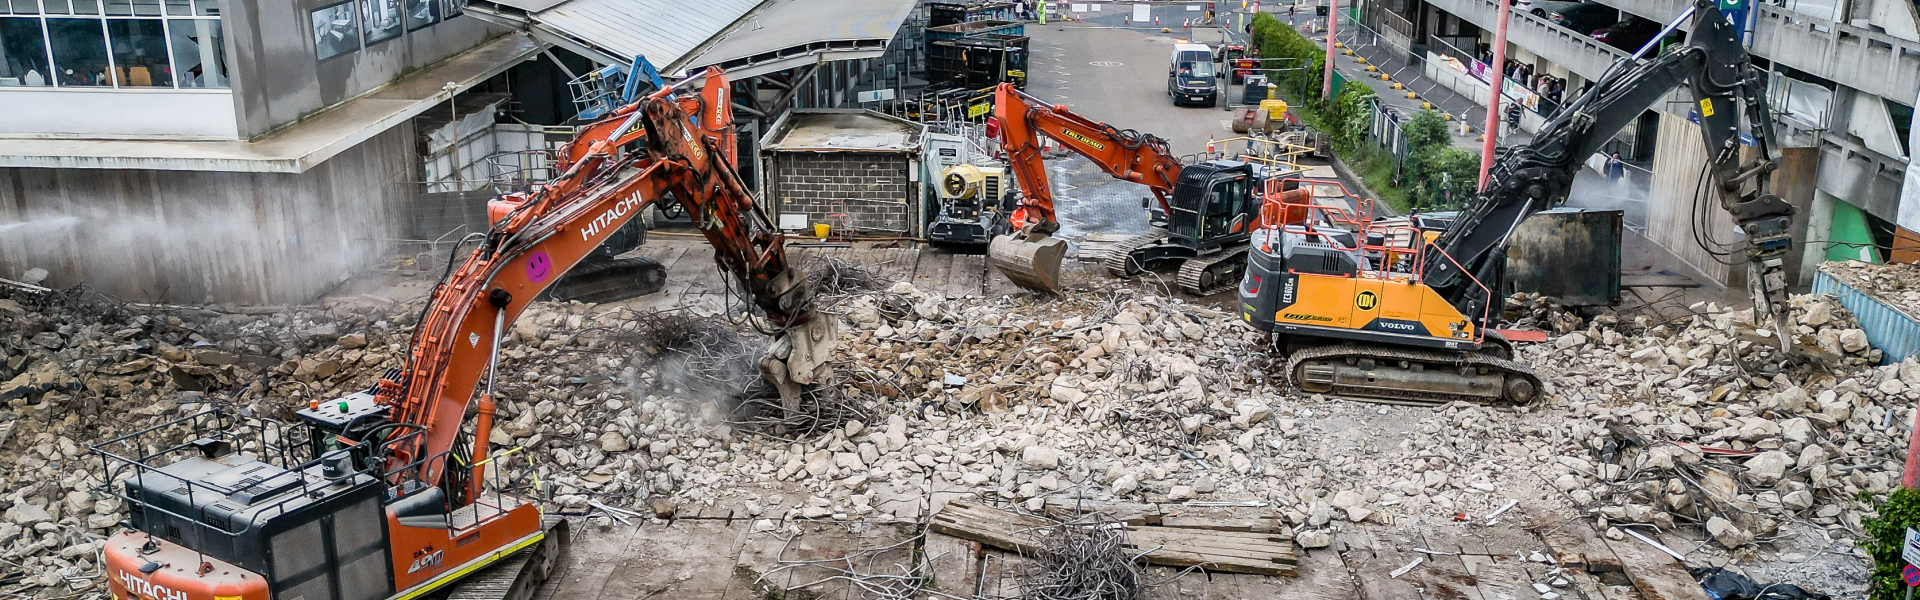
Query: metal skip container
x,y
1892,331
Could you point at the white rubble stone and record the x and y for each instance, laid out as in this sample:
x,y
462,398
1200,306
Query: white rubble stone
x,y
1040,457
1313,539
1768,467
1181,493
1853,340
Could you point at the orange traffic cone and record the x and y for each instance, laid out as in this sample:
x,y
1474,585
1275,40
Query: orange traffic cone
x,y
1209,143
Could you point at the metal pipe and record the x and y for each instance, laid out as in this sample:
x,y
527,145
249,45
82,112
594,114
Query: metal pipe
x,y
1326,77
1495,91
1910,474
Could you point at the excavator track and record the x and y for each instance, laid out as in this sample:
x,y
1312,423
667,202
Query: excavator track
x,y
517,577
611,280
1412,377
1214,273
1119,260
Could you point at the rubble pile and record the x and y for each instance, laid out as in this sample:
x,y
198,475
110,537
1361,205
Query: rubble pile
x,y
1897,284
1106,395
79,368
1692,422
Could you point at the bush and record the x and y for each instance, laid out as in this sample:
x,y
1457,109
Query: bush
x,y
1437,175
1349,118
1885,536
1426,130
1274,39
1441,177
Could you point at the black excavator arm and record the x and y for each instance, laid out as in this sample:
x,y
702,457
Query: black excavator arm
x,y
1727,90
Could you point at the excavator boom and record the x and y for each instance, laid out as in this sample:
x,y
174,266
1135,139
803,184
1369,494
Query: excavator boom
x,y
1029,255
381,494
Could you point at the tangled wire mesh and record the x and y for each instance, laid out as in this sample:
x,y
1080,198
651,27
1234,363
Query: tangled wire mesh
x,y
1084,559
834,276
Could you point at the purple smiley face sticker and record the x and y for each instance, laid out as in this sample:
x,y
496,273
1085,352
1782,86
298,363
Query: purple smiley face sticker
x,y
539,267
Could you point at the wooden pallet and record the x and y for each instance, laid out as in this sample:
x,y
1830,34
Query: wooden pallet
x,y
1228,551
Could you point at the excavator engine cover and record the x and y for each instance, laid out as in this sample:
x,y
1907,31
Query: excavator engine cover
x,y
1031,260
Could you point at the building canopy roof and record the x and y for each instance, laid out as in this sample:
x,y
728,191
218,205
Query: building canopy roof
x,y
680,37
842,130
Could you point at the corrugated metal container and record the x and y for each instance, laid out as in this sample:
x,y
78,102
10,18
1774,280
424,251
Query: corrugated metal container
x,y
1895,333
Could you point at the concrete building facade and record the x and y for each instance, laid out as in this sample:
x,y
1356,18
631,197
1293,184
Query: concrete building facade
x,y
1844,76
262,151
217,150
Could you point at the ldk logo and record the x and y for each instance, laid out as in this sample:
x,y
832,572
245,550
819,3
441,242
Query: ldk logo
x,y
430,561
146,589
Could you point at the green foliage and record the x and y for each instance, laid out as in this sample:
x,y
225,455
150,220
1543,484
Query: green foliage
x,y
1350,116
1885,535
1441,177
1274,39
1425,130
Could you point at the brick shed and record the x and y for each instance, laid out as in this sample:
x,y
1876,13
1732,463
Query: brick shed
x,y
862,163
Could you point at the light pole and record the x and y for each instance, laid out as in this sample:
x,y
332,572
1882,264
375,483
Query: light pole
x,y
1496,91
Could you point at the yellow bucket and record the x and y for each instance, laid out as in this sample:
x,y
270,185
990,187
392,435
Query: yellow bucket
x,y
820,230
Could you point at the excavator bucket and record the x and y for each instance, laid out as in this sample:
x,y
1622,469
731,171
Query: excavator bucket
x,y
1031,260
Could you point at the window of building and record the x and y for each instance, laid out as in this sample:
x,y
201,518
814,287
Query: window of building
x,y
79,52
125,44
421,13
198,61
140,52
335,30
23,53
383,20
450,8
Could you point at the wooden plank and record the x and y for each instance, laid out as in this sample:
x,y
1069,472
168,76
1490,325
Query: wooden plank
x,y
1655,574
953,563
931,273
1131,513
1177,548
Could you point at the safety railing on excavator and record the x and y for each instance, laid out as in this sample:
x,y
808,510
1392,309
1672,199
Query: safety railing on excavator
x,y
140,456
499,490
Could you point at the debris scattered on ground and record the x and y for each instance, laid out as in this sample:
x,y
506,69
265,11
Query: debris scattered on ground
x,y
1115,396
1270,554
1897,284
1083,559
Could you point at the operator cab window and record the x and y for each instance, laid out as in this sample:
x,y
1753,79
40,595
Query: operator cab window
x,y
1229,199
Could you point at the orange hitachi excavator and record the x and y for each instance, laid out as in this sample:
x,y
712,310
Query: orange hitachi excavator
x,y
1201,222
390,493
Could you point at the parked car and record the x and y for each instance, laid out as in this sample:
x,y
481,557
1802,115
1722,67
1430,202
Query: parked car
x,y
1628,35
1585,17
1542,8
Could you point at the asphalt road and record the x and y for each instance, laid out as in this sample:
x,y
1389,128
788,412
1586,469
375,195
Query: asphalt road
x,y
1116,75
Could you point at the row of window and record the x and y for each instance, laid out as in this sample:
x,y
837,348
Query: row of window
x,y
114,52
339,29
112,8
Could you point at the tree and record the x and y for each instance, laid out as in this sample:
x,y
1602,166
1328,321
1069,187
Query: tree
x,y
1425,130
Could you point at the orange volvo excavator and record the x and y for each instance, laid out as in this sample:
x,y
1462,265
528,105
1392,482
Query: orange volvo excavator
x,y
387,493
1204,215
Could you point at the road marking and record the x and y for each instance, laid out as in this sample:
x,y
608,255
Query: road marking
x,y
1107,63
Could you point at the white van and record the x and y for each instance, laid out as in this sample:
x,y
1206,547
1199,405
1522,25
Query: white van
x,y
1191,76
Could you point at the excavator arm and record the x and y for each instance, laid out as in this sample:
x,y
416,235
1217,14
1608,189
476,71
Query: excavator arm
x,y
1029,255
1728,92
607,180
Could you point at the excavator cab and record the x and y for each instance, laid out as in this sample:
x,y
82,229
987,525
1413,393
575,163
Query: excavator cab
x,y
1210,200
